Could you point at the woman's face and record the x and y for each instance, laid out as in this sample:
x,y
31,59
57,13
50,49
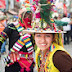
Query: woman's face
x,y
43,41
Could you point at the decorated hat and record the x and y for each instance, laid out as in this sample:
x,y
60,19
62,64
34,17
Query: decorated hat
x,y
26,7
42,21
24,13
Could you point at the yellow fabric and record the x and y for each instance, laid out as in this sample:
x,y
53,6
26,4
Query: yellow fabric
x,y
27,40
49,66
37,53
12,50
17,25
21,42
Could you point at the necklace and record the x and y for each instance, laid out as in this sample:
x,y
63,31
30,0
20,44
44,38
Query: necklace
x,y
43,57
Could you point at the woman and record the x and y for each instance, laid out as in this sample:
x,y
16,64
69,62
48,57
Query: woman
x,y
51,57
50,54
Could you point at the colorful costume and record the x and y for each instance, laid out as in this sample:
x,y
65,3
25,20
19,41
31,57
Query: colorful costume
x,y
49,65
20,43
23,44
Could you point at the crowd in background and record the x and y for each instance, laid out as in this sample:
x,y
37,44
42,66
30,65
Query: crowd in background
x,y
5,20
62,21
65,27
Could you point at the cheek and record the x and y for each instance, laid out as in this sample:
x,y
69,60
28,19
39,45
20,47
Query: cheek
x,y
36,40
49,40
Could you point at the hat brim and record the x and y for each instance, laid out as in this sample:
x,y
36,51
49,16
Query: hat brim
x,y
43,31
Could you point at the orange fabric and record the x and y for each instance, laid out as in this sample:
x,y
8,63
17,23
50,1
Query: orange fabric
x,y
2,25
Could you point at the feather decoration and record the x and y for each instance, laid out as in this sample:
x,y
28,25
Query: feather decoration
x,y
45,11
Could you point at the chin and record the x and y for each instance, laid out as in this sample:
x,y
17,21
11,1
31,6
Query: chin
x,y
43,49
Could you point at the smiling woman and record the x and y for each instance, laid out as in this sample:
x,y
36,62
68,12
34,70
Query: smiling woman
x,y
43,41
50,54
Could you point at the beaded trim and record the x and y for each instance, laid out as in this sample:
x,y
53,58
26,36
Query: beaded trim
x,y
52,47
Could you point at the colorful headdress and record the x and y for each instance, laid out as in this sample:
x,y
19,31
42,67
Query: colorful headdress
x,y
27,8
42,21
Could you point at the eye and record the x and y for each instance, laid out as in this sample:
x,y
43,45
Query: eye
x,y
47,35
38,35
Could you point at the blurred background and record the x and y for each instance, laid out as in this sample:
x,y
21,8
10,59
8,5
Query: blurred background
x,y
11,7
9,10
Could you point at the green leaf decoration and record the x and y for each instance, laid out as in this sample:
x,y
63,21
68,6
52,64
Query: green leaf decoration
x,y
45,12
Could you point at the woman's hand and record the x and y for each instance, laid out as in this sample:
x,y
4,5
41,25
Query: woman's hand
x,y
14,56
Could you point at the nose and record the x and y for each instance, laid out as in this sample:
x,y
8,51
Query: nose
x,y
43,39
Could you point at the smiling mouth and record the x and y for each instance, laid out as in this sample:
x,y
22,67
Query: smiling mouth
x,y
43,44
